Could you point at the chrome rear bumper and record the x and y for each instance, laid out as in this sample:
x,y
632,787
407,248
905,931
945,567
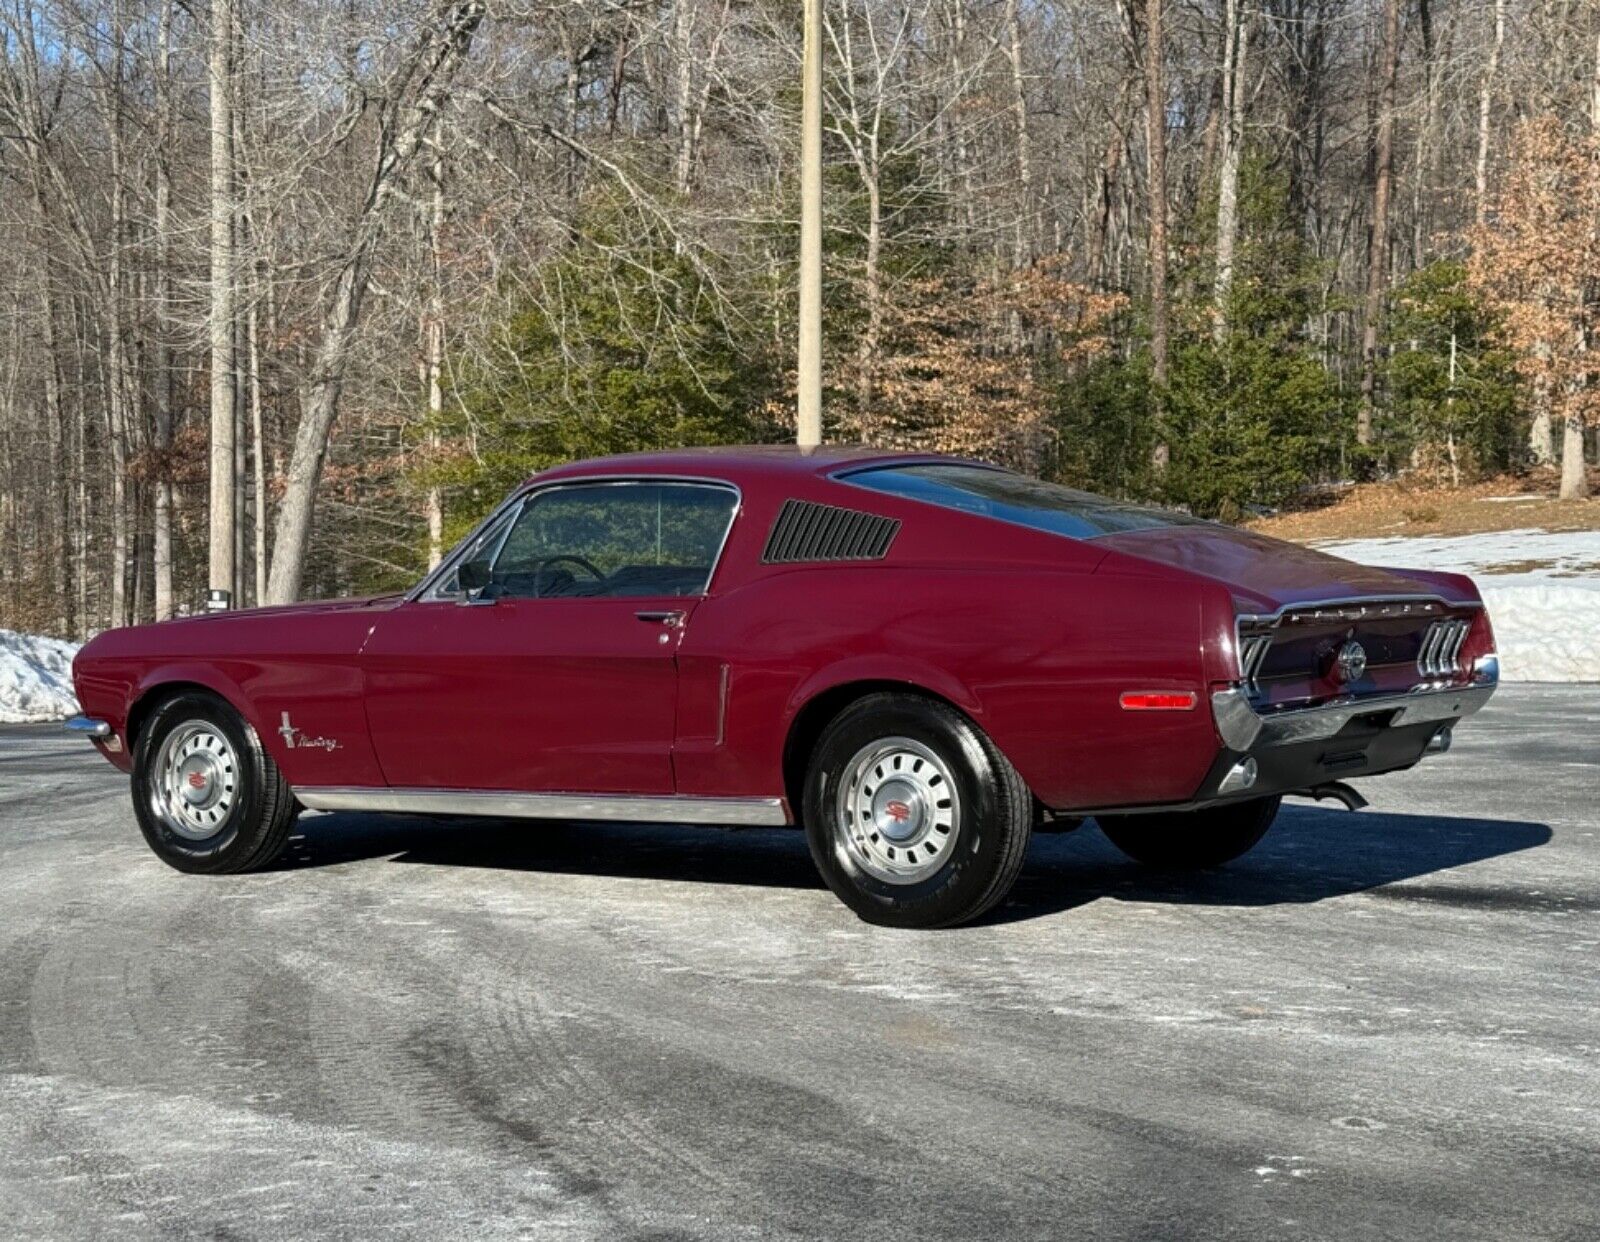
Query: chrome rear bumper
x,y
1242,728
88,726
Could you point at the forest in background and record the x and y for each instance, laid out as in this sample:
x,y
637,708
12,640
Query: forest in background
x,y
292,292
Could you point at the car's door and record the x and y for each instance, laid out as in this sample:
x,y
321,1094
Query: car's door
x,y
559,674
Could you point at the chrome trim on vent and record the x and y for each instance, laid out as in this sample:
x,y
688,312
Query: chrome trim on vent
x,y
1441,648
1252,655
641,808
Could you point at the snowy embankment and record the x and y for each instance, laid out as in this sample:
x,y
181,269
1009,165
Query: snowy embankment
x,y
35,678
1542,589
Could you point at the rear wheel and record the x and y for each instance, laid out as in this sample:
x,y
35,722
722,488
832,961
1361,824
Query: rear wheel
x,y
208,798
1188,840
913,816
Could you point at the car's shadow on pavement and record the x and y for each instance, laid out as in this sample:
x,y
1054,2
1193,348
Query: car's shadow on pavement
x,y
1310,854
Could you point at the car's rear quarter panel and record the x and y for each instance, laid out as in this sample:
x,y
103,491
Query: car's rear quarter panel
x,y
1037,658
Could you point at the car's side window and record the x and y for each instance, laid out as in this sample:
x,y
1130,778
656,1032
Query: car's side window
x,y
614,539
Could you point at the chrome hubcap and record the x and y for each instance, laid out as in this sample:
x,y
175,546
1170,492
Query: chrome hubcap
x,y
897,812
196,781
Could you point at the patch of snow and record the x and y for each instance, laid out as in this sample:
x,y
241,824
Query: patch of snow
x,y
35,678
1546,619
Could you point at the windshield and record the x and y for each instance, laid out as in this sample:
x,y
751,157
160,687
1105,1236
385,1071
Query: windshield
x,y
1015,498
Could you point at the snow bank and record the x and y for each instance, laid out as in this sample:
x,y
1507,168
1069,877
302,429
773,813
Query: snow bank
x,y
1546,613
35,678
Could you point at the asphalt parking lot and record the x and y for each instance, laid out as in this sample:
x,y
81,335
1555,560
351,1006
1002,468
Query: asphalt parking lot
x,y
1376,1025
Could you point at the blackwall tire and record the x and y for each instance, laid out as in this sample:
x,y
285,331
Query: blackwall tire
x,y
914,818
1192,840
208,797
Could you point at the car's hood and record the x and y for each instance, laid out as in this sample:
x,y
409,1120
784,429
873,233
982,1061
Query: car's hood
x,y
335,623
1263,573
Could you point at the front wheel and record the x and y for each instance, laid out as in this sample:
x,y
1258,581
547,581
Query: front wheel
x,y
208,798
913,816
1189,840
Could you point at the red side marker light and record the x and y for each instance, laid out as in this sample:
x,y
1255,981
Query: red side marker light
x,y
1159,700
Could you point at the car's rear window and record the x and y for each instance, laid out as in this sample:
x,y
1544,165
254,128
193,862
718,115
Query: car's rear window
x,y
1015,498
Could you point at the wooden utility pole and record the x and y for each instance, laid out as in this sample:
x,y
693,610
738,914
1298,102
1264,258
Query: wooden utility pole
x,y
223,392
1378,249
808,423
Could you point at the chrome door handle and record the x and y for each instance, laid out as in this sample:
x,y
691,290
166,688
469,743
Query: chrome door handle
x,y
670,617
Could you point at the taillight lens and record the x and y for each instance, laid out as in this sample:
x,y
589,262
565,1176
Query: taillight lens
x,y
1479,641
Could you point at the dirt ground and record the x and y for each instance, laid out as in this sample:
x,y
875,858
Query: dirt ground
x,y
1369,510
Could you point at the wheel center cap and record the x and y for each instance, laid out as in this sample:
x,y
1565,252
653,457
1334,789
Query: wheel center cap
x,y
197,781
897,810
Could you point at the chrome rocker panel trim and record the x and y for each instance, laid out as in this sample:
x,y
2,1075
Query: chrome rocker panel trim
x,y
1242,728
641,808
87,726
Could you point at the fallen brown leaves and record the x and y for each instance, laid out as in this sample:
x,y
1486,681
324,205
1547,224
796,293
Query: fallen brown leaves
x,y
1417,507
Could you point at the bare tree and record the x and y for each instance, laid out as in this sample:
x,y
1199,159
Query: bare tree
x,y
224,395
1156,193
420,87
1235,46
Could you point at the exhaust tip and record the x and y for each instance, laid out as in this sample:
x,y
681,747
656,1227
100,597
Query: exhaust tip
x,y
1241,776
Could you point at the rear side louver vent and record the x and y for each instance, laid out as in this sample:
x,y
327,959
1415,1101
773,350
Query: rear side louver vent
x,y
806,531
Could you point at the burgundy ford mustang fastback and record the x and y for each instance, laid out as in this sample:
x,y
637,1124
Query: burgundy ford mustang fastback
x,y
917,658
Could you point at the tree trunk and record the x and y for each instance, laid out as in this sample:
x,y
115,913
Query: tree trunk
x,y
1378,244
1025,231
118,388
433,341
1574,476
257,450
244,379
683,14
1105,191
1236,36
224,415
163,387
958,73
871,339
1156,154
1485,109
432,69
1422,155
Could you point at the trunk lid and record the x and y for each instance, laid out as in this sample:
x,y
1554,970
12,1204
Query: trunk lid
x,y
1263,573
1312,627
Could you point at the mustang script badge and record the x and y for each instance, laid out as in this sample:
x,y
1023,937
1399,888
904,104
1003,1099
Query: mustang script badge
x,y
294,739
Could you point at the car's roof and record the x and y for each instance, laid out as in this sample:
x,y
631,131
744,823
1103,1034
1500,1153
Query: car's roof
x,y
734,460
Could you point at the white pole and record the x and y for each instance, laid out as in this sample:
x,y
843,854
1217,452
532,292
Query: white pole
x,y
808,425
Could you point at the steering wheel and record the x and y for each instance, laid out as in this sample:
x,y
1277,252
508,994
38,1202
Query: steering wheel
x,y
550,561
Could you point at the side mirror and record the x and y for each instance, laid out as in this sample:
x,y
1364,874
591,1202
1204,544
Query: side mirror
x,y
473,576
